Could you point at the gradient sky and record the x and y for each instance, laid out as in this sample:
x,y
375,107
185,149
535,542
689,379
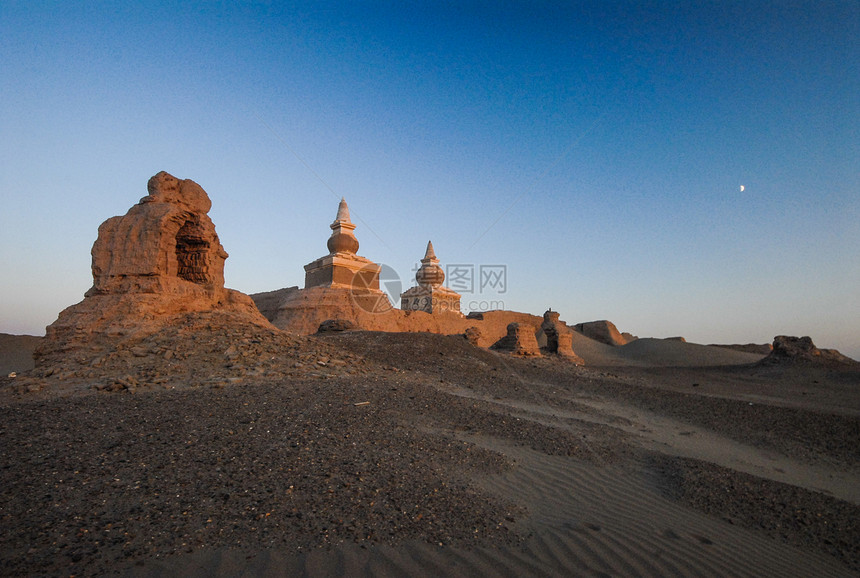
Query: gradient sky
x,y
596,149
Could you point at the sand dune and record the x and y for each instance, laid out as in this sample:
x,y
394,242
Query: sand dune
x,y
650,352
613,520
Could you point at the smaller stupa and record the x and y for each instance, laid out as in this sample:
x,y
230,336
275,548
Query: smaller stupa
x,y
342,268
429,295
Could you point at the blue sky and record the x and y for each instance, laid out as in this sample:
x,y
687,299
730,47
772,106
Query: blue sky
x,y
595,149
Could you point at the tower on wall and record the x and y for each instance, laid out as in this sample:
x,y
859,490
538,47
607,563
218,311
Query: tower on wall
x,y
430,295
342,267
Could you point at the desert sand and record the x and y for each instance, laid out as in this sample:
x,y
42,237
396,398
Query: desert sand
x,y
16,352
390,454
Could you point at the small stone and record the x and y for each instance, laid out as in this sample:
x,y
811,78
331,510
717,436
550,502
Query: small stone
x,y
472,335
336,325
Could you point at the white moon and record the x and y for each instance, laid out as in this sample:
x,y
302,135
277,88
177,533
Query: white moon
x,y
742,188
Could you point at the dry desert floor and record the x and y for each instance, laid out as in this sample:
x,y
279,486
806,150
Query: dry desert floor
x,y
376,454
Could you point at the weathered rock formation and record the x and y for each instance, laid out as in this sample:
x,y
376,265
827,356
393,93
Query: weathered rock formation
x,y
559,337
430,295
472,335
165,244
520,340
602,331
790,350
159,260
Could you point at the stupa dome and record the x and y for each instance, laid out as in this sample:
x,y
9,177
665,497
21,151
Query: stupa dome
x,y
430,272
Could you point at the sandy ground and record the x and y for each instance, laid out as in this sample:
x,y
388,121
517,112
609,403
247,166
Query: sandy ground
x,y
421,455
16,352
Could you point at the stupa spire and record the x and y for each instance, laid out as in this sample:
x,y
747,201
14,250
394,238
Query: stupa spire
x,y
342,212
429,254
342,239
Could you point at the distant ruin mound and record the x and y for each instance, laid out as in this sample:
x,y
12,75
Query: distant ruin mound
x,y
604,331
801,350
